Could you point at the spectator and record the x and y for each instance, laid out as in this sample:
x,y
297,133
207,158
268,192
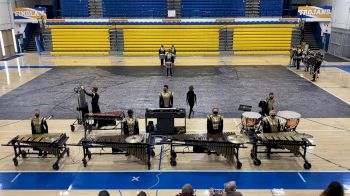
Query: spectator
x,y
187,190
103,193
334,189
229,190
142,193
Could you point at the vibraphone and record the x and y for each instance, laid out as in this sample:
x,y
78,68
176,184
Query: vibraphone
x,y
102,119
49,143
217,143
141,150
289,142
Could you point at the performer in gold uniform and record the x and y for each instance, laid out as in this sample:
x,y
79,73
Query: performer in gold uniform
x,y
166,98
215,122
130,124
39,124
271,124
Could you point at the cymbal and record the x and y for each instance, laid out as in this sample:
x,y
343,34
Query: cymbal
x,y
134,139
235,139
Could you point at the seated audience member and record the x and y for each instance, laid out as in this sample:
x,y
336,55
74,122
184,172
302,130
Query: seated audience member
x,y
187,190
103,193
142,193
334,189
229,190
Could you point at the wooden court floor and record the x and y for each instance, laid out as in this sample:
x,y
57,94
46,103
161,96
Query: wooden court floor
x,y
330,135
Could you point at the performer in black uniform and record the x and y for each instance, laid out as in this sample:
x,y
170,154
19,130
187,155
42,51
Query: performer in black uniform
x,y
191,99
298,56
39,124
161,53
166,98
215,122
94,101
130,124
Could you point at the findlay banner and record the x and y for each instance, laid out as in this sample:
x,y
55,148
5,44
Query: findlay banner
x,y
29,13
314,12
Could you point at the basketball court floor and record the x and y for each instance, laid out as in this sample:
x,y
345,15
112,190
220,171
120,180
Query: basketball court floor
x,y
47,83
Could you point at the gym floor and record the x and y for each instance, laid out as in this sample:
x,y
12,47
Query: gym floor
x,y
47,83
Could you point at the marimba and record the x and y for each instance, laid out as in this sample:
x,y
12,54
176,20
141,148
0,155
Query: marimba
x,y
48,144
225,144
137,145
290,142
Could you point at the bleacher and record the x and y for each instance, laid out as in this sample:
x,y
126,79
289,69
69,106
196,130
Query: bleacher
x,y
212,8
74,8
263,39
135,8
70,41
271,7
199,41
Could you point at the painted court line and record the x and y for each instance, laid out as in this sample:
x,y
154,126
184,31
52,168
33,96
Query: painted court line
x,y
302,178
15,178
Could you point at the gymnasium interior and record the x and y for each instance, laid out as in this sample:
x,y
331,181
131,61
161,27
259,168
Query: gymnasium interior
x,y
246,97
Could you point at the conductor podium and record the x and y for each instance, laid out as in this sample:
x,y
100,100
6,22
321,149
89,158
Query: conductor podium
x,y
166,120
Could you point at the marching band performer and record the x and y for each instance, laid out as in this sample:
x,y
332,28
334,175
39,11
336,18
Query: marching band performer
x,y
166,98
173,54
298,56
271,124
161,53
130,124
317,65
191,99
94,101
39,124
169,63
215,122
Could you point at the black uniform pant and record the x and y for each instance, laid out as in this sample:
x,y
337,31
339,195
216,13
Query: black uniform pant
x,y
169,71
161,62
191,110
298,64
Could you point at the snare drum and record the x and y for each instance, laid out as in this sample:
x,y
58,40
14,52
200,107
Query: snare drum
x,y
250,119
291,119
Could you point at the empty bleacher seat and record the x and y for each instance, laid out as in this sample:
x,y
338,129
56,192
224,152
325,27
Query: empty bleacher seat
x,y
74,8
186,41
262,39
134,8
212,8
80,41
271,7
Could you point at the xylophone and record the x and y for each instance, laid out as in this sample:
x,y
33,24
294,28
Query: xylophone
x,y
137,145
290,142
49,143
226,144
102,119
